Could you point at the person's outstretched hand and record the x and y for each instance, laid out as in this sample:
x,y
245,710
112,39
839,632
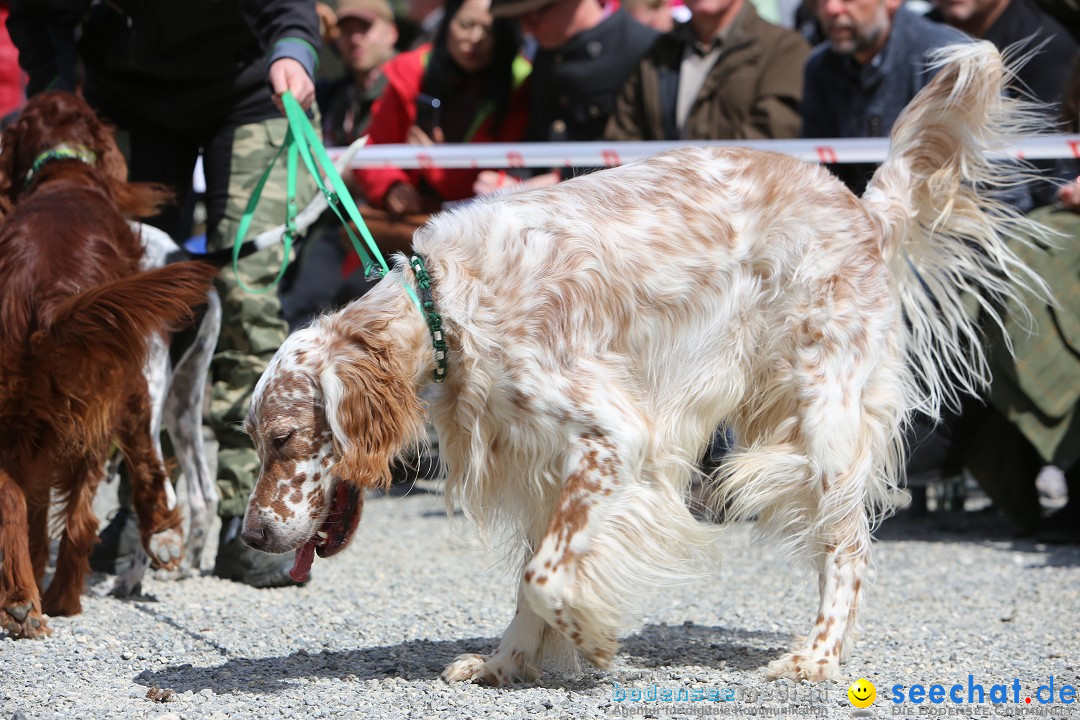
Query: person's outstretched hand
x,y
288,74
489,181
416,136
402,199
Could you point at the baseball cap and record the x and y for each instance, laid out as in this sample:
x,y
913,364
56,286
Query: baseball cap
x,y
514,8
365,10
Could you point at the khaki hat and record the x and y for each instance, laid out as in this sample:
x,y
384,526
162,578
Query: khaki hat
x,y
514,8
365,10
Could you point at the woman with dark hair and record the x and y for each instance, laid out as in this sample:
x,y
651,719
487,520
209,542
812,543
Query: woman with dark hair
x,y
468,85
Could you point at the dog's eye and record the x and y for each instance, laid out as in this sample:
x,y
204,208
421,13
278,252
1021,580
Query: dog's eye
x,y
280,440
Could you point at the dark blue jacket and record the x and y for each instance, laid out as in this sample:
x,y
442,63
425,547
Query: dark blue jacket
x,y
844,99
573,88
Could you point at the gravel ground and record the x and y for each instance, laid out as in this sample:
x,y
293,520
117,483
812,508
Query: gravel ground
x,y
370,634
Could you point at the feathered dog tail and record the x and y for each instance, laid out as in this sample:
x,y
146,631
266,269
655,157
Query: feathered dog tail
x,y
946,232
98,339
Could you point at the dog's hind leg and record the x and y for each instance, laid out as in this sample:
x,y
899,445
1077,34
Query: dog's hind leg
x,y
20,604
156,370
851,410
841,575
160,524
183,419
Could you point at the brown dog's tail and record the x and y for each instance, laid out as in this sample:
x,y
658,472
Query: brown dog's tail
x,y
97,339
947,231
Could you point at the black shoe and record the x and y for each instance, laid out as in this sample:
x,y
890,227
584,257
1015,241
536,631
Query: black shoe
x,y
236,561
116,543
1062,527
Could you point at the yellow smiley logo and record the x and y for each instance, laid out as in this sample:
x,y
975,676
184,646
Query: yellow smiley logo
x,y
862,693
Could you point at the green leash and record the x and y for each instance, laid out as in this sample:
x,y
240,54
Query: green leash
x,y
303,142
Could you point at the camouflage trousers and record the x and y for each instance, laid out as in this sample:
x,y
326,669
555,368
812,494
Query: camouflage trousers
x,y
252,327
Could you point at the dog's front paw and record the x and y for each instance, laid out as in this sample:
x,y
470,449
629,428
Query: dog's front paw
x,y
801,667
469,668
497,670
478,669
166,548
23,620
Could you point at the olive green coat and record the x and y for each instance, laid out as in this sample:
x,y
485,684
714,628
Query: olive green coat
x,y
752,92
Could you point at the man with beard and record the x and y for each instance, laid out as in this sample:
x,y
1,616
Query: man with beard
x,y
874,61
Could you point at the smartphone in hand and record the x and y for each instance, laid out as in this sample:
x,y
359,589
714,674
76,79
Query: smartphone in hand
x,y
427,113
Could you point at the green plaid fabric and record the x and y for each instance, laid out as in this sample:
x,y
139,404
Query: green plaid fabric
x,y
1039,389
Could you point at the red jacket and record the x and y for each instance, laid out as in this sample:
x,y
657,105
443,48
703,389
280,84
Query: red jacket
x,y
11,79
395,112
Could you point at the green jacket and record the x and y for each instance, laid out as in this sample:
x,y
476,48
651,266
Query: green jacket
x,y
752,92
1038,391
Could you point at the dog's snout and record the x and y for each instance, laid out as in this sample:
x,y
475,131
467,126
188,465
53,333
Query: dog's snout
x,y
254,532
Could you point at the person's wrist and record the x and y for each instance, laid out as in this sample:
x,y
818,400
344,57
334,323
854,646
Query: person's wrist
x,y
296,49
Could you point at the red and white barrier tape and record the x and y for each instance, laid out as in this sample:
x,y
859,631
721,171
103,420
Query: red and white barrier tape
x,y
608,154
597,154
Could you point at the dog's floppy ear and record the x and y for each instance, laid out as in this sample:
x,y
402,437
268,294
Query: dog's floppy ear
x,y
110,160
373,410
137,199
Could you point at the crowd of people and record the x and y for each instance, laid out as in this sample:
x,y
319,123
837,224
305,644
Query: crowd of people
x,y
203,79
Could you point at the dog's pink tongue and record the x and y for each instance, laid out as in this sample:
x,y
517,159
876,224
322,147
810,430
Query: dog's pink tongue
x,y
302,566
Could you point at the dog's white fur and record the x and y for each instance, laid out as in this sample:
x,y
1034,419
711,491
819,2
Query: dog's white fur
x,y
601,329
177,393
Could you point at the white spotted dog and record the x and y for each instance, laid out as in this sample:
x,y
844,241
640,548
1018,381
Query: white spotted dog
x,y
177,388
598,331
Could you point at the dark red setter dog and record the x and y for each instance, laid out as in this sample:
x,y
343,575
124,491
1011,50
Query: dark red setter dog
x,y
76,315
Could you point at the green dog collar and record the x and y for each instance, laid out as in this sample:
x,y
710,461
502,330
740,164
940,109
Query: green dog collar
x,y
62,151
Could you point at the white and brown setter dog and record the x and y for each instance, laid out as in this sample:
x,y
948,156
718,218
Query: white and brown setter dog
x,y
77,316
599,331
177,369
